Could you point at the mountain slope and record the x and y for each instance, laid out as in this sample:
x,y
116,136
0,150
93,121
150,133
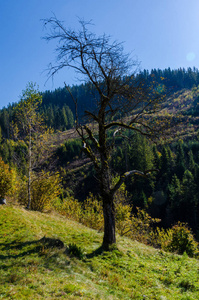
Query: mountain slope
x,y
30,269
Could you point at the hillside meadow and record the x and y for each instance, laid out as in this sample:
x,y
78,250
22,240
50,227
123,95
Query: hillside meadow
x,y
33,267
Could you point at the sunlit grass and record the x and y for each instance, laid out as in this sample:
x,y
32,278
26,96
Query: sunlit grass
x,y
29,270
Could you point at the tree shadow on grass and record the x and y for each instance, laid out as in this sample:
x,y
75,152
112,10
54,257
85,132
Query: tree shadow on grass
x,y
38,247
101,250
96,252
41,244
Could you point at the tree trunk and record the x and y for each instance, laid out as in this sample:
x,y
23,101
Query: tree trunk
x,y
29,188
29,172
109,239
109,223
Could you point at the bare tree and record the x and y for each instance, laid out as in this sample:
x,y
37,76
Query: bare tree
x,y
122,103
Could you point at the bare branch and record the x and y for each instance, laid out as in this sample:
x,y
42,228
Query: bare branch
x,y
130,173
91,137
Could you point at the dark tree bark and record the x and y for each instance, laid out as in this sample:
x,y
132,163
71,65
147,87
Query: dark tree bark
x,y
109,238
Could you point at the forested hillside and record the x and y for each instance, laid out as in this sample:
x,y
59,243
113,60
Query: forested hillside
x,y
170,194
57,105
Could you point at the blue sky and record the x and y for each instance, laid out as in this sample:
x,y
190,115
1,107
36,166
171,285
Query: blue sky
x,y
160,34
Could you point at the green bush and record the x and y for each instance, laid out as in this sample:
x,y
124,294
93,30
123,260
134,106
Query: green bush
x,y
182,240
74,250
178,239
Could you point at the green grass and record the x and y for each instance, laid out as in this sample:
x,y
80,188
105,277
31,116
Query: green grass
x,y
31,270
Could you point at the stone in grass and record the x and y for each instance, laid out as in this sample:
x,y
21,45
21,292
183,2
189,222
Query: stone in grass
x,y
2,201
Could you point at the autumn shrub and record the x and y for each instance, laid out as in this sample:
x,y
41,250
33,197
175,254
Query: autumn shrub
x,y
142,227
178,239
161,238
45,187
92,213
123,218
8,180
137,226
89,213
69,207
182,240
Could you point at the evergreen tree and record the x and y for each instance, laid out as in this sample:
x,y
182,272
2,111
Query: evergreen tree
x,y
191,162
157,158
189,200
180,160
174,195
1,137
70,118
140,154
64,119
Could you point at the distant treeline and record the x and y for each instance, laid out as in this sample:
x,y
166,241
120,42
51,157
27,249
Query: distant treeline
x,y
173,79
58,117
58,106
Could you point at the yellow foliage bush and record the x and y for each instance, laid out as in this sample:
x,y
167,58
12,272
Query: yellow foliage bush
x,y
178,239
123,218
69,207
161,238
8,180
45,187
136,226
92,213
89,213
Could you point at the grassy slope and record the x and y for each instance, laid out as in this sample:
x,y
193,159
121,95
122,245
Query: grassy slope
x,y
29,271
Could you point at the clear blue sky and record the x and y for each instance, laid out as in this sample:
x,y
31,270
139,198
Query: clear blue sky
x,y
161,33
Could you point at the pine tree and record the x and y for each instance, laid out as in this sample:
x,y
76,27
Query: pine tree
x,y
189,200
1,137
174,195
64,121
191,162
180,161
70,117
